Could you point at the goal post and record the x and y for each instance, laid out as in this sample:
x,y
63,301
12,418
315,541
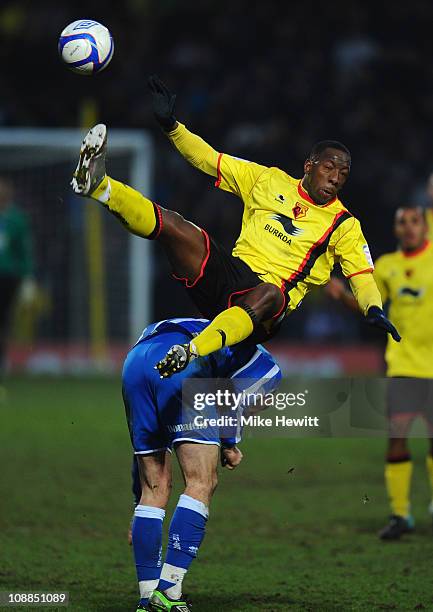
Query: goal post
x,y
39,162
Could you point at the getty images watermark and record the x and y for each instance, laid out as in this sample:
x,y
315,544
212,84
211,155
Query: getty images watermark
x,y
337,407
239,408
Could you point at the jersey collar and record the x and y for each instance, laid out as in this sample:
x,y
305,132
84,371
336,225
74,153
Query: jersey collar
x,y
418,251
306,197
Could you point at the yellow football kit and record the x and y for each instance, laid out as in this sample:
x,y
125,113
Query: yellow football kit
x,y
286,238
406,281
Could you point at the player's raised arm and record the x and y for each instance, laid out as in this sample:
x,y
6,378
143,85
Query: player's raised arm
x,y
353,254
233,174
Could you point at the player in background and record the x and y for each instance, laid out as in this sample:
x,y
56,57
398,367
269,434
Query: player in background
x,y
16,262
405,280
159,421
293,232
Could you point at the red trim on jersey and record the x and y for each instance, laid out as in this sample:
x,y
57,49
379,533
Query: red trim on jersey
x,y
283,307
219,177
160,221
316,244
361,272
229,301
187,282
422,248
282,289
305,195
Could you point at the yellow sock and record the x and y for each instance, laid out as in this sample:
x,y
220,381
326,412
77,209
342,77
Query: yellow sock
x,y
229,327
134,210
429,466
397,479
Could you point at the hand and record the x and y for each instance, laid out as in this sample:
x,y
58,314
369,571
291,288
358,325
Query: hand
x,y
162,103
231,457
335,288
176,360
376,317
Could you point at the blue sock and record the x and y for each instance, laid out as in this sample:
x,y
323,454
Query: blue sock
x,y
147,544
186,533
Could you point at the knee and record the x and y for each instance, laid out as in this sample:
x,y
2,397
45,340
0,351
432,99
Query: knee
x,y
173,220
272,294
397,448
156,493
266,300
202,488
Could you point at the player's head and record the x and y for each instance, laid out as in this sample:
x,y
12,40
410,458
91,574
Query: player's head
x,y
410,227
6,192
326,170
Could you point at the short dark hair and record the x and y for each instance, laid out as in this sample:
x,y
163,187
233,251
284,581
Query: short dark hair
x,y
412,206
319,147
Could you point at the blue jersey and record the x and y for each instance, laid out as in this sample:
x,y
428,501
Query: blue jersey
x,y
241,360
154,407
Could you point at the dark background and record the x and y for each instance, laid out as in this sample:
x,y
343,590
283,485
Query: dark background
x,y
262,81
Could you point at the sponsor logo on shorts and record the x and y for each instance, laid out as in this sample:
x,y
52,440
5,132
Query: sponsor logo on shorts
x,y
182,427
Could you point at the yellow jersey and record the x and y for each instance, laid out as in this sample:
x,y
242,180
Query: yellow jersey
x,y
406,282
286,238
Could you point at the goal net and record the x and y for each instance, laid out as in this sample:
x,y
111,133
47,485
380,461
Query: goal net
x,y
94,278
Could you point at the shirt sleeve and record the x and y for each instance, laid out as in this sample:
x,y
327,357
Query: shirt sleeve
x,y
351,250
380,278
237,175
194,149
232,174
365,291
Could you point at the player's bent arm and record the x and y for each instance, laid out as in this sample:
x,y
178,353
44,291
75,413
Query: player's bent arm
x,y
365,291
369,300
380,276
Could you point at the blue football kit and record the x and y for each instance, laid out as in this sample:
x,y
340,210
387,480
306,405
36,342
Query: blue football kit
x,y
155,408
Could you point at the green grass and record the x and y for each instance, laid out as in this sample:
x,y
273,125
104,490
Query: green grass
x,y
303,540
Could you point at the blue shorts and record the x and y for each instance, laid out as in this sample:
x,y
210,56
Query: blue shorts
x,y
154,411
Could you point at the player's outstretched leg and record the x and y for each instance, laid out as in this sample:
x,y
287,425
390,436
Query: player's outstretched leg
x,y
398,473
186,247
184,243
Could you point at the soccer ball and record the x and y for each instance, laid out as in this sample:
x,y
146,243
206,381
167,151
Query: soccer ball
x,y
86,46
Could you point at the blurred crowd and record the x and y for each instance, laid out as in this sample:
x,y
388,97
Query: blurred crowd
x,y
263,81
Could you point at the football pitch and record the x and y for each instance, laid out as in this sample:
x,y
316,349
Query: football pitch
x,y
294,528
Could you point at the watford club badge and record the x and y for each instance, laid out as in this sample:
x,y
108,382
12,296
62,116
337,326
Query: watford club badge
x,y
299,210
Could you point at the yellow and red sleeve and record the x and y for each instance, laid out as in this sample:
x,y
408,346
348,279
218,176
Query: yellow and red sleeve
x,y
232,174
365,290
